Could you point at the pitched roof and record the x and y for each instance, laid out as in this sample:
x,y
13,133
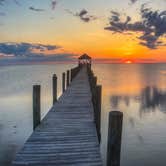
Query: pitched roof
x,y
84,56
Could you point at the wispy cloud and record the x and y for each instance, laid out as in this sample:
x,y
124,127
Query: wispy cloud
x,y
15,1
2,14
59,58
83,15
36,9
25,49
156,22
133,1
53,4
25,53
152,25
2,2
122,26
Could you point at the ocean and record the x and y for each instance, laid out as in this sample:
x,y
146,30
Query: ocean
x,y
138,90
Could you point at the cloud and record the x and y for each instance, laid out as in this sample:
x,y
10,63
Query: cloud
x,y
83,15
25,49
133,1
2,14
152,25
119,25
53,4
1,2
156,22
15,1
36,9
37,59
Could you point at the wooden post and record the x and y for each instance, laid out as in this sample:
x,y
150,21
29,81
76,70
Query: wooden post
x,y
92,80
95,81
93,84
63,81
71,75
68,78
54,82
98,110
114,138
36,106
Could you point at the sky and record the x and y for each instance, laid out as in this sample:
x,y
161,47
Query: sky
x,y
111,30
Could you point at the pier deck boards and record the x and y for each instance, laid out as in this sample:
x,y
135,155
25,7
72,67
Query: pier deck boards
x,y
67,135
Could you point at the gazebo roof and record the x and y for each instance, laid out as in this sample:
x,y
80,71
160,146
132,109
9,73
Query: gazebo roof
x,y
84,56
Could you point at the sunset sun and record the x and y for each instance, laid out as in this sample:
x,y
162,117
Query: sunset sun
x,y
128,61
82,82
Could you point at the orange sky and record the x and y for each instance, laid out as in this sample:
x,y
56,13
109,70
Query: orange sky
x,y
74,36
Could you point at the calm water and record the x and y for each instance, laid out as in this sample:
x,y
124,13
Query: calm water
x,y
139,91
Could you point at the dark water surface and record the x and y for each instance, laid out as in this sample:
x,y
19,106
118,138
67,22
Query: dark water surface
x,y
139,91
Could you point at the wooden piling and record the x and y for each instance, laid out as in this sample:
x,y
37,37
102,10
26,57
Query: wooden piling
x,y
67,134
114,138
63,82
71,75
96,99
36,106
94,80
73,72
54,82
68,78
98,110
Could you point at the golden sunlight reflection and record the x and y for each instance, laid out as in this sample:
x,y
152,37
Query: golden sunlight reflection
x,y
137,90
128,79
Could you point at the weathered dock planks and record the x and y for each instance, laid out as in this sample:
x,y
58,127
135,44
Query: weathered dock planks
x,y
67,135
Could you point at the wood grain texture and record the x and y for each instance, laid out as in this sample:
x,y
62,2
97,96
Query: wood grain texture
x,y
67,135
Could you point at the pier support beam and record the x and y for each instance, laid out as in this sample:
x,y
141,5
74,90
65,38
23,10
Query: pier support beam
x,y
71,75
63,82
36,106
74,72
114,138
98,110
54,82
68,78
67,135
96,99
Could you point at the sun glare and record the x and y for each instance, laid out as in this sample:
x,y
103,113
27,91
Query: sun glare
x,y
128,62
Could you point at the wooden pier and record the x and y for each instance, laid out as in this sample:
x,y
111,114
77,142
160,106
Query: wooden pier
x,y
67,135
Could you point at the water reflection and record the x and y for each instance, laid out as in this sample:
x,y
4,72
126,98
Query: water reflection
x,y
143,126
151,98
125,88
137,90
115,101
16,103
